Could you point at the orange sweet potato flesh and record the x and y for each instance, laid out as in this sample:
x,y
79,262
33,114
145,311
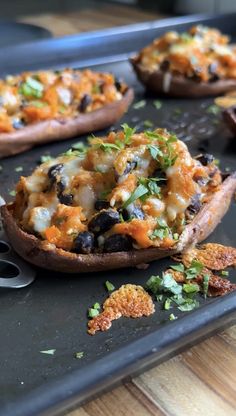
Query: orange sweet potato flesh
x,y
179,85
43,254
60,129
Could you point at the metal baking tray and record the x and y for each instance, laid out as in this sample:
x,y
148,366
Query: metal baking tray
x,y
52,312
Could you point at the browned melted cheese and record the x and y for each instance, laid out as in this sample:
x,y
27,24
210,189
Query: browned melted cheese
x,y
130,301
213,256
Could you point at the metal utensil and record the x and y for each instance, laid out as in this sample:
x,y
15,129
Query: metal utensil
x,y
15,273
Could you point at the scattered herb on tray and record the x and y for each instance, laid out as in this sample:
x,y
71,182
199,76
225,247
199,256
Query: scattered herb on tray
x,y
139,104
48,352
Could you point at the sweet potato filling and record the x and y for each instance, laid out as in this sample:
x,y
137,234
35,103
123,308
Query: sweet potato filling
x,y
202,55
127,190
33,97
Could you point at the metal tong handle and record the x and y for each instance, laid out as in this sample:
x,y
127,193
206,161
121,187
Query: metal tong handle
x,y
17,272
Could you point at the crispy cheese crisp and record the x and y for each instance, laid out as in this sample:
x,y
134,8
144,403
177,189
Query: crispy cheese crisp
x,y
212,255
129,300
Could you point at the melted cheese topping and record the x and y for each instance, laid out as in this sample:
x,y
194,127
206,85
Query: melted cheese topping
x,y
151,180
201,54
32,97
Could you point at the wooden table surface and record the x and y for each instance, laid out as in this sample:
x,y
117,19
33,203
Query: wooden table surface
x,y
202,380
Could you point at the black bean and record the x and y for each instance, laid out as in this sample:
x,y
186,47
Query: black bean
x,y
118,84
61,185
84,243
195,205
212,69
205,159
86,100
165,65
196,77
131,212
200,180
18,124
103,221
66,199
54,171
117,242
131,165
101,204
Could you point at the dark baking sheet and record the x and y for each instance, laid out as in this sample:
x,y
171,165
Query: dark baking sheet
x,y
14,33
52,313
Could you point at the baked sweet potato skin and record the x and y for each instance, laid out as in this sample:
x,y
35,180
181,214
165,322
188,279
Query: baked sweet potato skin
x,y
229,117
60,129
180,86
43,254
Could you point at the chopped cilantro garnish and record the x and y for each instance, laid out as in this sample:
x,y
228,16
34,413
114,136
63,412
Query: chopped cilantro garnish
x,y
162,231
188,305
19,169
128,132
154,150
172,317
213,109
45,158
175,236
12,193
205,284
80,147
178,267
148,123
163,152
139,192
157,104
72,152
139,104
224,273
167,304
190,287
93,312
79,354
49,352
194,270
108,147
166,287
31,88
110,287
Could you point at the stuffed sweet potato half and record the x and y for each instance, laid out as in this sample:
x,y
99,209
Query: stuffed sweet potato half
x,y
198,63
125,199
54,105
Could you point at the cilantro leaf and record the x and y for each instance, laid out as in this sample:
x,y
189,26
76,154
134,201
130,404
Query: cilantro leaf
x,y
178,267
139,104
109,286
157,104
128,132
139,192
190,287
194,270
